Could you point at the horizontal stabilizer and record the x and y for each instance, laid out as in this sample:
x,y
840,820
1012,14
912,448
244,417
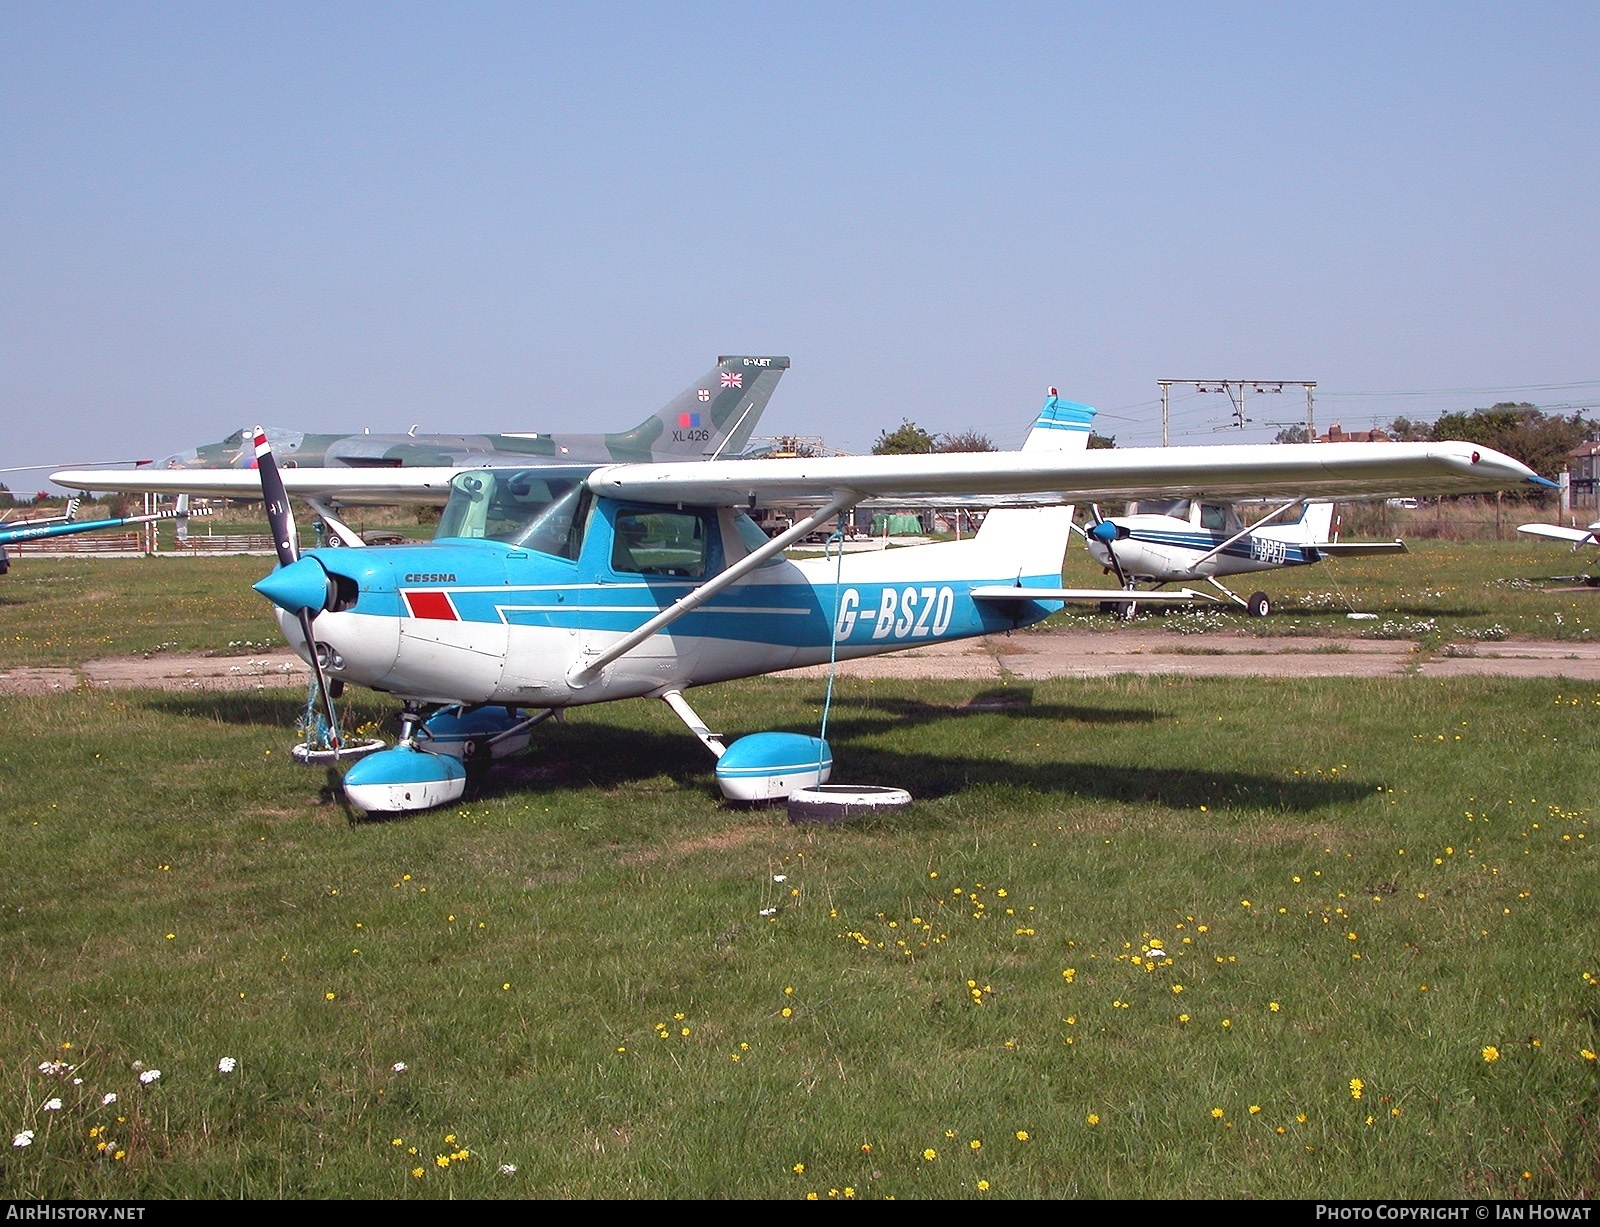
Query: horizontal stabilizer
x,y
1183,596
1359,549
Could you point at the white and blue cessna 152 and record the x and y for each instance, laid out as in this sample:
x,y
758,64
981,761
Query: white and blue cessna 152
x,y
1186,540
548,587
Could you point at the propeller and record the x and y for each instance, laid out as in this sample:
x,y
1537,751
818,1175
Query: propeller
x,y
1105,532
299,585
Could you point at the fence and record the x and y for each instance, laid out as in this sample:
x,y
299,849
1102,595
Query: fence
x,y
84,543
136,543
1458,519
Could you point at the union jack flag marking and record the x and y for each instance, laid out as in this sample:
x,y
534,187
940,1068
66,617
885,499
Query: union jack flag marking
x,y
730,379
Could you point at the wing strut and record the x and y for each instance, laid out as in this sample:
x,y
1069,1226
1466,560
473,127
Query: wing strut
x,y
587,668
323,506
680,706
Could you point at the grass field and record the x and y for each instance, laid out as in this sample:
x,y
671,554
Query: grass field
x,y
1145,937
1137,938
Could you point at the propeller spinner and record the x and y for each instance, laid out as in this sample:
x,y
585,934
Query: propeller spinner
x,y
1107,533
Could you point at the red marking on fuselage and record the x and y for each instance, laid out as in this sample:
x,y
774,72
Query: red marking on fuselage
x,y
436,605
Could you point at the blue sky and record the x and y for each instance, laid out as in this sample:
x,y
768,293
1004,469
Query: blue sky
x,y
534,217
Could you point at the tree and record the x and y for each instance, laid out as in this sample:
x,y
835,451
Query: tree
x,y
1097,442
1293,434
965,441
1540,440
1404,430
906,440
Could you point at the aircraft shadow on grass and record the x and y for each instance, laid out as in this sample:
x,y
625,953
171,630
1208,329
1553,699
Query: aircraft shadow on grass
x,y
278,709
1001,700
1419,610
599,754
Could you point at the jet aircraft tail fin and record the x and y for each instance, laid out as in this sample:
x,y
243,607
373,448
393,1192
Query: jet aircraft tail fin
x,y
714,417
1035,538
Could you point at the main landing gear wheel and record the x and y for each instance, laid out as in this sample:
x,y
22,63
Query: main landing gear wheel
x,y
1259,605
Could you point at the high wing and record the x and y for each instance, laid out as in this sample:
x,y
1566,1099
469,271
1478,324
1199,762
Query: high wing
x,y
1323,470
346,486
1559,532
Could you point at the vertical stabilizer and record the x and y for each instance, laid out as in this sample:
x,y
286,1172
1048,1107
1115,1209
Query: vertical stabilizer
x,y
1034,540
1316,522
713,417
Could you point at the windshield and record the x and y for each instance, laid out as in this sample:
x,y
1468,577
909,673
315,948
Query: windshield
x,y
535,509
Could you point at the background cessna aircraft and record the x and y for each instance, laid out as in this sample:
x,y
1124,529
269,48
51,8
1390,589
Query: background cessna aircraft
x,y
713,417
1560,532
1175,541
18,531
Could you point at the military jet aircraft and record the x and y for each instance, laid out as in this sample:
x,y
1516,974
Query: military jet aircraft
x,y
713,417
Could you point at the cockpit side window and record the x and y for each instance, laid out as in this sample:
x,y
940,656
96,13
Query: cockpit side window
x,y
1213,516
660,543
752,537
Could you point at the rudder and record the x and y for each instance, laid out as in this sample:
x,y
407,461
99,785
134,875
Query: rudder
x,y
713,417
1036,537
